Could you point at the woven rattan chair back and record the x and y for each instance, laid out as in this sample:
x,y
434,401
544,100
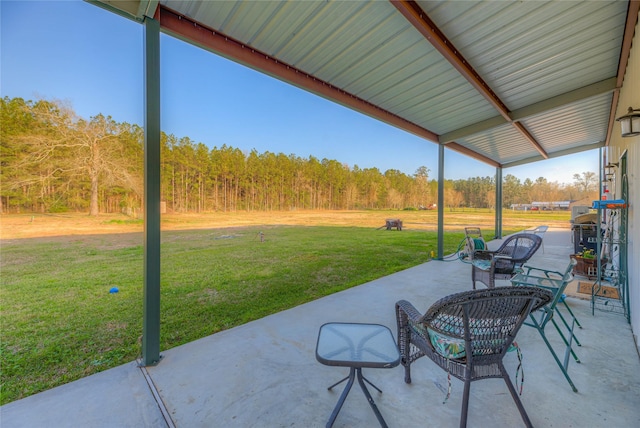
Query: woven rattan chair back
x,y
487,321
505,262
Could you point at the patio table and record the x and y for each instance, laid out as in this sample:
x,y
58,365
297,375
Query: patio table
x,y
356,346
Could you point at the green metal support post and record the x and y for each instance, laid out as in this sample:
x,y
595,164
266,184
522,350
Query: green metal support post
x,y
440,201
498,227
151,317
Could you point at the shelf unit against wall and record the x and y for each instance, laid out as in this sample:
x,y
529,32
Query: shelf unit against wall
x,y
610,291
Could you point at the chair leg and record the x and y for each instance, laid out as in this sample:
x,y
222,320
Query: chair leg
x,y
465,402
407,372
514,395
571,313
555,357
404,342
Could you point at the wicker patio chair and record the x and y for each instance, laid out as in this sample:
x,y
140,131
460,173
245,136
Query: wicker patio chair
x,y
483,321
506,261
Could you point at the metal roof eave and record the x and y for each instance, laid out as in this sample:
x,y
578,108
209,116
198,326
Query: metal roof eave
x,y
136,10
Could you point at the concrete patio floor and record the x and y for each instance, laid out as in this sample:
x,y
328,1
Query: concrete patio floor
x,y
264,373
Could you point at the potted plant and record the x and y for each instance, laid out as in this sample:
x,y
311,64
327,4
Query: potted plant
x,y
587,263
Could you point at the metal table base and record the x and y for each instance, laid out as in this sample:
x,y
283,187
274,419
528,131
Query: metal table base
x,y
353,372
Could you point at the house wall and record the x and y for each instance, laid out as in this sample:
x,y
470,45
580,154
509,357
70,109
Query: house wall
x,y
630,97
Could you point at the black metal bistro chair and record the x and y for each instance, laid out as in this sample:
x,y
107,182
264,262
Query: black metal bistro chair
x,y
506,261
468,334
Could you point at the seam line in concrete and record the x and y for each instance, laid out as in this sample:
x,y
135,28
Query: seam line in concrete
x,y
156,396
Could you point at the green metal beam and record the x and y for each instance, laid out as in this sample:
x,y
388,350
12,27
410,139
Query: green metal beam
x,y
475,128
125,9
560,101
440,201
557,154
498,226
151,317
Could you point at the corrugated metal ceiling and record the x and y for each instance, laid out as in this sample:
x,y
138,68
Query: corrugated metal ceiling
x,y
528,51
385,62
512,82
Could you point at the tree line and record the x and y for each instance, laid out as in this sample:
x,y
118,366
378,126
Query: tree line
x,y
52,160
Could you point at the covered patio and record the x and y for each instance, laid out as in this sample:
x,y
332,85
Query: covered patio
x,y
264,373
460,74
505,83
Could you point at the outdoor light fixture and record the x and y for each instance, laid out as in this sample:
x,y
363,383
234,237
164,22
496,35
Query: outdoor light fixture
x,y
630,123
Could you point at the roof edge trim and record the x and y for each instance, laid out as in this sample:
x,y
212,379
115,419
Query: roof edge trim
x,y
136,10
148,8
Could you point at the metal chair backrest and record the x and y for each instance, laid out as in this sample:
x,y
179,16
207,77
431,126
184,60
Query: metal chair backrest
x,y
557,286
520,247
540,230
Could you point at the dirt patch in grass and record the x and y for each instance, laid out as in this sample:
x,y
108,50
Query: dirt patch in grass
x,y
121,231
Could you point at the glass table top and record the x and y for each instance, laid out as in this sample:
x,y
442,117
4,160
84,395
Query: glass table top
x,y
357,345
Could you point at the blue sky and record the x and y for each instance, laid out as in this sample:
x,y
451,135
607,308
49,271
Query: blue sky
x,y
91,58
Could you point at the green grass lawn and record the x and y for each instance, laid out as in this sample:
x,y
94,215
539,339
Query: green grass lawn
x,y
61,323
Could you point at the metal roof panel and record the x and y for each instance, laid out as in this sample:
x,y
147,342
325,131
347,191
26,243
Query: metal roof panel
x,y
531,51
527,52
503,142
573,124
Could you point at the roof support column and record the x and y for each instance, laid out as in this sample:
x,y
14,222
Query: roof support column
x,y
498,226
440,201
151,307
